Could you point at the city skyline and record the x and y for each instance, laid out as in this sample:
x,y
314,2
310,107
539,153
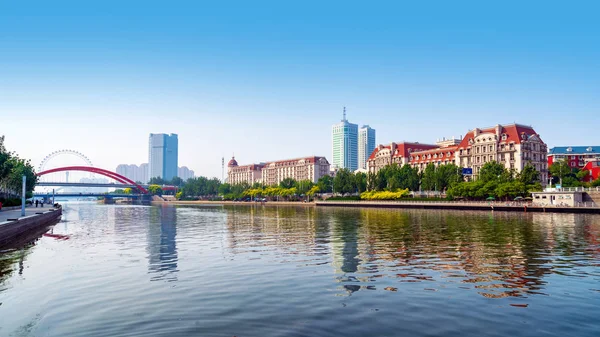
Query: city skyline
x,y
267,84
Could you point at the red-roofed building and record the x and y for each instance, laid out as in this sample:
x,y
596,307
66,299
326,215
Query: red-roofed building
x,y
272,173
512,145
243,174
394,153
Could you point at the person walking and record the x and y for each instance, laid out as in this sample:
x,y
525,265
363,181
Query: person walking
x,y
36,202
0,206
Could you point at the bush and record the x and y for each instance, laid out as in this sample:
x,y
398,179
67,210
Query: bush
x,y
349,197
384,195
10,202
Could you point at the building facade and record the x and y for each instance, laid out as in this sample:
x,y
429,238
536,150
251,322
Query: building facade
x,y
575,156
366,145
185,173
344,143
513,146
162,156
243,174
272,173
134,172
394,153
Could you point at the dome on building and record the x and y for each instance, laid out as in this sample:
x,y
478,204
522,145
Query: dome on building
x,y
232,162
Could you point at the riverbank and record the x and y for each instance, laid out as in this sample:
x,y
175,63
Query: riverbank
x,y
13,225
460,206
238,203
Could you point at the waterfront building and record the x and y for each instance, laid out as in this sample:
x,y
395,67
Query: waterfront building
x,y
243,174
512,145
394,153
366,145
308,168
575,156
162,156
272,173
344,141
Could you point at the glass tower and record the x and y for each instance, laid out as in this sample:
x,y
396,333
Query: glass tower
x,y
345,144
366,145
162,156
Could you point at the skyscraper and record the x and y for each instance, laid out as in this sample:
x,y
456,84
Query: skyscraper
x,y
345,144
162,156
366,145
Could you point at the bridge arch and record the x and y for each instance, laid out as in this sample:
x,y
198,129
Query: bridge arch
x,y
106,173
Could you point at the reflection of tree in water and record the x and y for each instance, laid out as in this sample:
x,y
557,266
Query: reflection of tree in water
x,y
498,254
501,255
287,230
162,245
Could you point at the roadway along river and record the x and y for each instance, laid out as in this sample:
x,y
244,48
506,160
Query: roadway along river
x,y
286,271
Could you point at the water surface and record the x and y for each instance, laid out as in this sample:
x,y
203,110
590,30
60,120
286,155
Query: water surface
x,y
301,271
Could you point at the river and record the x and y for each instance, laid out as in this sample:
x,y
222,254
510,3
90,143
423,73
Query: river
x,y
116,270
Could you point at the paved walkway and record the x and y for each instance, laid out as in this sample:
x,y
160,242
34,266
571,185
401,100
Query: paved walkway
x,y
16,213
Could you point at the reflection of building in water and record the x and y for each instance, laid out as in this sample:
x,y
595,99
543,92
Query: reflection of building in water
x,y
292,230
344,244
162,246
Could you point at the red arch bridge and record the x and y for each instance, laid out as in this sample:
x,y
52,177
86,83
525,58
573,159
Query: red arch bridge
x,y
122,182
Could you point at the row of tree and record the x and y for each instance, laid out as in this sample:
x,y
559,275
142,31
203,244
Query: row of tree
x,y
12,169
570,176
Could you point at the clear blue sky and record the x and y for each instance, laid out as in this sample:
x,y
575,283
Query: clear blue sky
x,y
265,80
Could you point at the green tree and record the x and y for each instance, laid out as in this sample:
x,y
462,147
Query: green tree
x,y
176,181
287,183
155,189
325,184
344,182
428,181
529,175
559,170
493,171
156,181
361,181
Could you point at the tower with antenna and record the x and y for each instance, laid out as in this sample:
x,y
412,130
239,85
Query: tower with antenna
x,y
344,144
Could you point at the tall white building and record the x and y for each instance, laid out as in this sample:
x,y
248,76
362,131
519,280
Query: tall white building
x,y
366,145
162,156
185,173
134,172
344,143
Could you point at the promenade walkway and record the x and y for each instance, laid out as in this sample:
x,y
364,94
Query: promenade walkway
x,y
16,213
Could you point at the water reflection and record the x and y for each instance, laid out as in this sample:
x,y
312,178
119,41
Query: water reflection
x,y
496,255
162,244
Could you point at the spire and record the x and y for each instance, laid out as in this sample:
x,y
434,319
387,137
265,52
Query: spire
x,y
344,119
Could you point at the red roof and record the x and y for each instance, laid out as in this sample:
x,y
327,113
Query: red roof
x,y
402,149
442,153
513,134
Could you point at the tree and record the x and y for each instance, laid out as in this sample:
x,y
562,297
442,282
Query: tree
x,y
325,184
287,183
155,189
127,190
559,170
156,181
361,181
303,186
176,181
428,181
529,175
344,182
493,171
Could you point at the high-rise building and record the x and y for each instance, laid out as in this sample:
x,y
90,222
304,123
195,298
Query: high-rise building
x,y
134,172
162,156
185,173
366,145
345,144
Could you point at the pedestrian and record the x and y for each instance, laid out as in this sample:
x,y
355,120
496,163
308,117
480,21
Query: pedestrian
x,y
0,206
36,202
42,202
